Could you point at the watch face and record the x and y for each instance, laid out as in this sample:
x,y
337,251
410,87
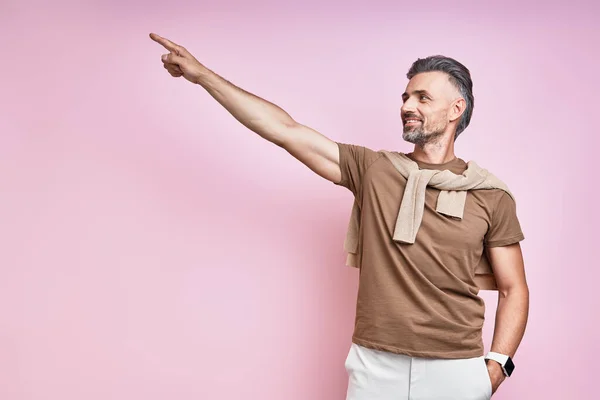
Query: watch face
x,y
509,366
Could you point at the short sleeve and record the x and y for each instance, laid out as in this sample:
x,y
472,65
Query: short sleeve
x,y
354,162
505,228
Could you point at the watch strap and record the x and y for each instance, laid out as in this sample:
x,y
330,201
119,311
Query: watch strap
x,y
500,358
504,361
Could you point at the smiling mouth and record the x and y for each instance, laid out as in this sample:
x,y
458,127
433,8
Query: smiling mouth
x,y
411,122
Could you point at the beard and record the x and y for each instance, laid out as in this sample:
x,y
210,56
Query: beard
x,y
423,134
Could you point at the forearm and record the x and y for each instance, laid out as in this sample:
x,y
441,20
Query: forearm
x,y
511,319
261,116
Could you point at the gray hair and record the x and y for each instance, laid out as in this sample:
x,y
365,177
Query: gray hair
x,y
458,75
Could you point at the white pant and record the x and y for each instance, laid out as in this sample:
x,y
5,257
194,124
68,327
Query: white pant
x,y
379,375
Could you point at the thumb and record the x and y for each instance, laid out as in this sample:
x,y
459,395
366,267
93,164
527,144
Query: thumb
x,y
171,58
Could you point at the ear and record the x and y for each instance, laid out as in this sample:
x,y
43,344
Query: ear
x,y
457,108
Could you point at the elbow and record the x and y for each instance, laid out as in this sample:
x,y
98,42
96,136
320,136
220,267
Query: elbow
x,y
517,289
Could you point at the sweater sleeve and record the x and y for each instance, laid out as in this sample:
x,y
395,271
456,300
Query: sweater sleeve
x,y
505,228
354,162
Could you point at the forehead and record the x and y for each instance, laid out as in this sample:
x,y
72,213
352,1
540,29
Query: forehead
x,y
434,82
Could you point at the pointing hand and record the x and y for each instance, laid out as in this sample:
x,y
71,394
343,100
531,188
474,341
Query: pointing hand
x,y
179,61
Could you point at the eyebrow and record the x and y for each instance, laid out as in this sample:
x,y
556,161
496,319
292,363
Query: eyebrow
x,y
425,92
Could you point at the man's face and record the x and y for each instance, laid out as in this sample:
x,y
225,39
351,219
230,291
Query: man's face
x,y
426,105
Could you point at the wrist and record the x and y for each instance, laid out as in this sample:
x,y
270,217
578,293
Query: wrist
x,y
502,361
204,76
201,79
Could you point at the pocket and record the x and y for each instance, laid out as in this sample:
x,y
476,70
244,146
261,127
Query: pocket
x,y
488,380
348,362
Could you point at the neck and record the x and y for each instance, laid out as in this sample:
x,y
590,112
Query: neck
x,y
440,152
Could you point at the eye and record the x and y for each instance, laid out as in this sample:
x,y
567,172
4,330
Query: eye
x,y
423,97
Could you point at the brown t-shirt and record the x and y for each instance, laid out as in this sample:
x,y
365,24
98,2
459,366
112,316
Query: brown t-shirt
x,y
421,299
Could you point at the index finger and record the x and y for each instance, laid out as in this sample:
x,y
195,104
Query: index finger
x,y
165,42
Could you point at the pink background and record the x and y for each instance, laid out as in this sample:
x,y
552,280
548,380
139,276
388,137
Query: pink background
x,y
151,247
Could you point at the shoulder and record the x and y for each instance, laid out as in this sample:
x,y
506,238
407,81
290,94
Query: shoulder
x,y
362,154
494,201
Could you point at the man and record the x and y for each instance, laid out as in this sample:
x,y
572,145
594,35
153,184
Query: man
x,y
419,317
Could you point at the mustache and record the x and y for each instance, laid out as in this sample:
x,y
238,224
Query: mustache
x,y
410,115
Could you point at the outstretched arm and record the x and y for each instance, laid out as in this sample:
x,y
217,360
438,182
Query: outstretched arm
x,y
268,120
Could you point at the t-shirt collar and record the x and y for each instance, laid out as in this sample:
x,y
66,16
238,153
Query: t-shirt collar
x,y
456,166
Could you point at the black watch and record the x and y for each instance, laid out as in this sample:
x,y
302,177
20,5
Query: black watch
x,y
505,361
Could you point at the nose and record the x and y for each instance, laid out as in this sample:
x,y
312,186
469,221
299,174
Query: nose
x,y
408,107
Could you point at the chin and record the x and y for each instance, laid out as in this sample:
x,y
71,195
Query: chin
x,y
413,137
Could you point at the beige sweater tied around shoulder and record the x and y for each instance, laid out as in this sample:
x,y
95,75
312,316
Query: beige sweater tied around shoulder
x,y
451,201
